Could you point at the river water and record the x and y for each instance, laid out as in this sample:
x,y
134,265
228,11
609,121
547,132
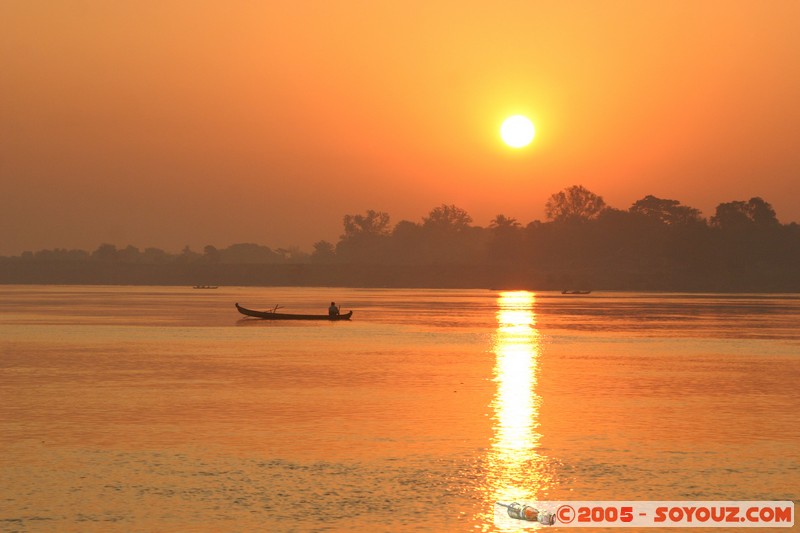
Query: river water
x,y
162,409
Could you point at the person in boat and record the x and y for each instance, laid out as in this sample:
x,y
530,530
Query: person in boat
x,y
333,310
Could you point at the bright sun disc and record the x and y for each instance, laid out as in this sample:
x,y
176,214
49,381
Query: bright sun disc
x,y
517,131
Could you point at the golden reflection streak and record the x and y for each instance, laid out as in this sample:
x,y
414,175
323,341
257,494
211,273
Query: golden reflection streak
x,y
517,471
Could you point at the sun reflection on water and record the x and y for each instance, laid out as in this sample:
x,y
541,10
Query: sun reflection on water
x,y
517,469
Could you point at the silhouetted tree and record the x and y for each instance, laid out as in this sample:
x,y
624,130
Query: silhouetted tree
x,y
405,241
447,237
574,203
747,243
374,223
668,212
502,223
129,254
106,253
324,252
506,240
187,256
211,254
405,229
447,218
364,237
738,214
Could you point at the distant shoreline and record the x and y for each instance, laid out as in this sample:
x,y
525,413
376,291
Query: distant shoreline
x,y
657,245
378,276
556,292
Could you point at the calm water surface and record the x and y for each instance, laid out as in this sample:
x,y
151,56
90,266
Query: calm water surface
x,y
161,409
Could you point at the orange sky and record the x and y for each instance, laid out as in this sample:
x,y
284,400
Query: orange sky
x,y
167,123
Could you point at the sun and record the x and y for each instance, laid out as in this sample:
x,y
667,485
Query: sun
x,y
517,131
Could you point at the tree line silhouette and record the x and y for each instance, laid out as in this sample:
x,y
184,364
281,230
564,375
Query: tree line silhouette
x,y
656,244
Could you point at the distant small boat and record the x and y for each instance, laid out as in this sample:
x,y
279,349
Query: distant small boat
x,y
273,315
205,287
576,292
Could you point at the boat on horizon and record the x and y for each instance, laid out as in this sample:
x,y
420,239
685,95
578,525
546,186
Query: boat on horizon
x,y
274,315
576,292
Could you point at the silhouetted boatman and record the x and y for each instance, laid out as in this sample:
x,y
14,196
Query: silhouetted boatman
x,y
333,310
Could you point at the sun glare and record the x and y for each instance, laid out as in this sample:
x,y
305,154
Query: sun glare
x,y
517,131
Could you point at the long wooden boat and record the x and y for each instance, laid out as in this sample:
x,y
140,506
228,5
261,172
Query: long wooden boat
x,y
272,315
576,292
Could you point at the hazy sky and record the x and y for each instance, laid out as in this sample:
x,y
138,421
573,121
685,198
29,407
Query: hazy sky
x,y
166,123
